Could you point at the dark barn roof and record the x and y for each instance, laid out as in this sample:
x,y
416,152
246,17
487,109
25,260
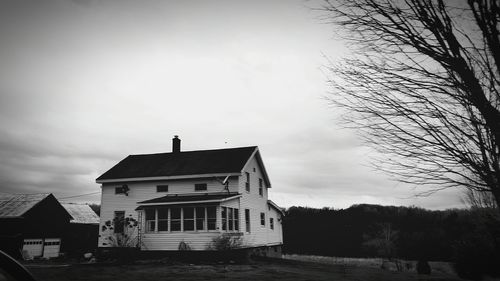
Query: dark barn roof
x,y
199,162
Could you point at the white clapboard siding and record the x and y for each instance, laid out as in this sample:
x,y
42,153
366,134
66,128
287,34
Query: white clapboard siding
x,y
141,191
169,241
259,235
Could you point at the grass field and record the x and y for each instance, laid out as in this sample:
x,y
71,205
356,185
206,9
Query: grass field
x,y
260,270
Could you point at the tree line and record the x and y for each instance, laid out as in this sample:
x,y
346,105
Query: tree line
x,y
457,235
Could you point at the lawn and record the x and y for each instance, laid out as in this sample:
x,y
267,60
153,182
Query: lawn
x,y
258,270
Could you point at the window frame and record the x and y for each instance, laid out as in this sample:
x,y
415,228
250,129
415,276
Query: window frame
x,y
162,186
116,228
247,182
198,185
247,221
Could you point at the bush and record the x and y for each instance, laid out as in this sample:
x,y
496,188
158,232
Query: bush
x,y
225,242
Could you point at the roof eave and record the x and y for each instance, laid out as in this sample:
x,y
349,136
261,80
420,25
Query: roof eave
x,y
166,177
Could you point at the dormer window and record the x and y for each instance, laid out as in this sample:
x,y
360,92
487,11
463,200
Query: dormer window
x,y
200,187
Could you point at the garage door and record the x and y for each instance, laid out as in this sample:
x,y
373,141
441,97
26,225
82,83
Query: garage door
x,y
51,247
33,247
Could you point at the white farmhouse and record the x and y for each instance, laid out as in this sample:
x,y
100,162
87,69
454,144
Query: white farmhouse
x,y
191,197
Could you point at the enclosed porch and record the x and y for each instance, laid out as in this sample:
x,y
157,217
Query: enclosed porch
x,y
187,222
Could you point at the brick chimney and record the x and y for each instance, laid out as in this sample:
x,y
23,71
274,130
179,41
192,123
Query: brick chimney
x,y
176,144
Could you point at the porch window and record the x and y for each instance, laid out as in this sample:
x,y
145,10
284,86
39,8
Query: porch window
x,y
211,218
163,219
188,218
175,219
180,219
236,220
230,220
150,220
224,218
200,218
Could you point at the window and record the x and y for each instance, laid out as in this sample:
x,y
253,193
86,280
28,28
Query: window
x,y
247,220
230,219
175,219
188,218
119,190
119,221
200,187
162,188
247,183
180,219
150,220
271,223
224,218
211,218
200,218
163,219
262,219
261,188
236,220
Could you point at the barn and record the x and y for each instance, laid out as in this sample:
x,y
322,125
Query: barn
x,y
83,229
32,225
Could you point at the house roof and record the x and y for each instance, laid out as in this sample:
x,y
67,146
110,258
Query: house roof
x,y
81,213
201,162
272,204
173,199
16,205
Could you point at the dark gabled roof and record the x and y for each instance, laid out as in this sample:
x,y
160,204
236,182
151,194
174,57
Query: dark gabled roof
x,y
199,162
186,198
16,205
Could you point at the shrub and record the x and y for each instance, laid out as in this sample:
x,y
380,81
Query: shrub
x,y
225,242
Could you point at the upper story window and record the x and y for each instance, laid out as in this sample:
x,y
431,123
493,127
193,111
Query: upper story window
x,y
247,183
200,187
122,189
162,188
261,187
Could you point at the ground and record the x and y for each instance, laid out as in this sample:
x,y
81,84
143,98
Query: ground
x,y
257,270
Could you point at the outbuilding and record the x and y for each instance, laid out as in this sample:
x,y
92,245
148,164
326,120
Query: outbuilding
x,y
32,225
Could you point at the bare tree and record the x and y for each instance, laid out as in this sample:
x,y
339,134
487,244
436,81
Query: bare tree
x,y
422,87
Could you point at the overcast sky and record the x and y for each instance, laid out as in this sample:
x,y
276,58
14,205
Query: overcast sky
x,y
83,84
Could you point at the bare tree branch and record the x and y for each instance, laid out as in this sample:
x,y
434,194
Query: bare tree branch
x,y
423,88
